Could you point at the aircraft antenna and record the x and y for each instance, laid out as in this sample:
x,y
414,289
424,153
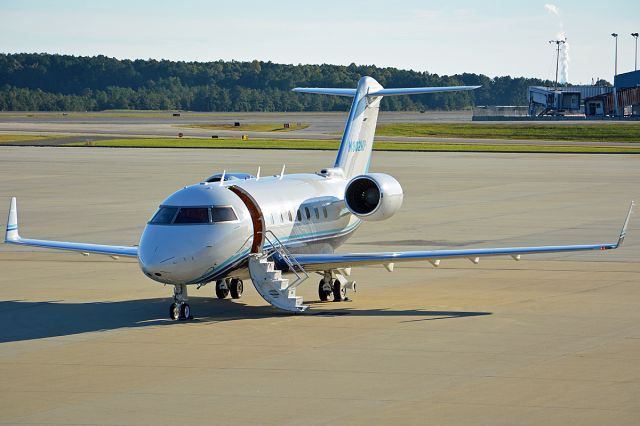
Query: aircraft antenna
x,y
282,172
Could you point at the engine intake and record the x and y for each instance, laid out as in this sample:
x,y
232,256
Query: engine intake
x,y
376,196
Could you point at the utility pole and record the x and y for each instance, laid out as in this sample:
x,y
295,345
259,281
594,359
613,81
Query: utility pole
x,y
558,43
635,35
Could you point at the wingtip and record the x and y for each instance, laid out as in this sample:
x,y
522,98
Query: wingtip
x,y
12,222
623,232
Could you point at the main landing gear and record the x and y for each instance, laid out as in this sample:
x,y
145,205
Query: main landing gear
x,y
179,309
229,285
334,284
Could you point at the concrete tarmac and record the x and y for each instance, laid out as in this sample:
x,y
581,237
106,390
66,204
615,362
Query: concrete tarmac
x,y
551,339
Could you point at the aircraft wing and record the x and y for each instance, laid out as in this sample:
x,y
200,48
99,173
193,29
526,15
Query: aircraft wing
x,y
12,237
322,262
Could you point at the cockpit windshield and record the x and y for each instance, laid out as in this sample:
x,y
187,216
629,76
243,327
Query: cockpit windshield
x,y
167,215
164,216
192,215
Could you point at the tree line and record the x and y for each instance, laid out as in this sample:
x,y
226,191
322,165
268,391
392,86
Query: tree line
x,y
48,82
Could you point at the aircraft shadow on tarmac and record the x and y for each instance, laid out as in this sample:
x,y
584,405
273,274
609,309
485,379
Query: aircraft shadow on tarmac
x,y
24,320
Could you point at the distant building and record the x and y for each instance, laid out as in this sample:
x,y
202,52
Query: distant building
x,y
562,101
626,91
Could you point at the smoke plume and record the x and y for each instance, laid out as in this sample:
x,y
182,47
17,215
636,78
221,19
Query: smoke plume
x,y
563,70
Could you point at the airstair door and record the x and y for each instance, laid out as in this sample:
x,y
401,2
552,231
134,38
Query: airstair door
x,y
257,217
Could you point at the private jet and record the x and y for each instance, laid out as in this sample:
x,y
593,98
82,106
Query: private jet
x,y
275,230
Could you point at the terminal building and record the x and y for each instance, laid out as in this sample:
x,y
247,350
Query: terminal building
x,y
621,100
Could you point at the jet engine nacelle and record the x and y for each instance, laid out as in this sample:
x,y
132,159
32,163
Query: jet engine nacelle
x,y
374,196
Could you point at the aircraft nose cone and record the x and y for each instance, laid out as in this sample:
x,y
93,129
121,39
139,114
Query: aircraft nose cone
x,y
157,263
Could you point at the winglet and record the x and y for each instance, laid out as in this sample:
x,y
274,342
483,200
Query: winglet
x,y
12,223
623,232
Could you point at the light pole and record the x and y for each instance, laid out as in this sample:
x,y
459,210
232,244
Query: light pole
x,y
615,73
635,35
614,35
558,43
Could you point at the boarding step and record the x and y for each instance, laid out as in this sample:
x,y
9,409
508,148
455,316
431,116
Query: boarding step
x,y
271,286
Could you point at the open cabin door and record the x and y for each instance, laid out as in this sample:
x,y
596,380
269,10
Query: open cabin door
x,y
256,217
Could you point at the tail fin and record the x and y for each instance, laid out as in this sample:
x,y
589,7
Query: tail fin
x,y
354,154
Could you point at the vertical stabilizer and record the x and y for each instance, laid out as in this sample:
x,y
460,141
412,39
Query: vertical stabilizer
x,y
12,222
354,154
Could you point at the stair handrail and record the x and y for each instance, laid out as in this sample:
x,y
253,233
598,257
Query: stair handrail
x,y
291,261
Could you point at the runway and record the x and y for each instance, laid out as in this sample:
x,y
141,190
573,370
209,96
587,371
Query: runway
x,y
552,339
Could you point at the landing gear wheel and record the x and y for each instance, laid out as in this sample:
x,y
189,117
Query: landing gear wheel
x,y
236,287
185,311
221,290
174,311
324,290
339,291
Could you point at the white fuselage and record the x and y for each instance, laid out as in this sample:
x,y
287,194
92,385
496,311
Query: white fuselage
x,y
306,212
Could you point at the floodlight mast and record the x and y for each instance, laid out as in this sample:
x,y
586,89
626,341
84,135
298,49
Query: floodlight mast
x,y
615,73
635,35
558,43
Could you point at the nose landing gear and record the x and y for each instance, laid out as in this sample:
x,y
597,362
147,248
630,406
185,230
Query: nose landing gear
x,y
180,309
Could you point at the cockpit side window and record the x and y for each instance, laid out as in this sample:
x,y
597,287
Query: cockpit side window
x,y
223,214
192,215
164,215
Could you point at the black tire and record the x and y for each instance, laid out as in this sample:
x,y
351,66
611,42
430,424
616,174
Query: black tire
x,y
236,288
173,311
221,292
323,293
339,291
185,311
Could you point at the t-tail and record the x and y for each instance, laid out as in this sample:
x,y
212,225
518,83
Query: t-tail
x,y
354,154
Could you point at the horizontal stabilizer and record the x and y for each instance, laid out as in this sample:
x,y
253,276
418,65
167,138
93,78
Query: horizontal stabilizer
x,y
326,91
420,90
383,92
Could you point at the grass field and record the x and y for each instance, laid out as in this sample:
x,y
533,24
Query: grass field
x,y
594,132
256,127
20,138
333,145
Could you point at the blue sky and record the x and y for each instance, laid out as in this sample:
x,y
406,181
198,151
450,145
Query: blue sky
x,y
445,37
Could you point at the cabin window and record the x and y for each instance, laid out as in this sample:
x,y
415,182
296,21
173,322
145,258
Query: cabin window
x,y
272,219
223,214
281,218
299,215
164,215
290,216
308,214
317,213
324,210
192,215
